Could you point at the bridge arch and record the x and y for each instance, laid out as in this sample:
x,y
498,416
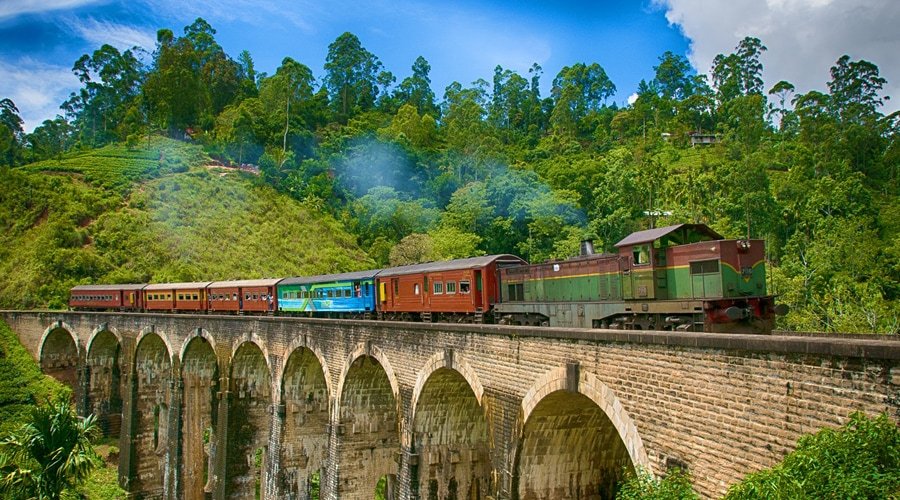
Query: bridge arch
x,y
567,406
60,353
152,379
249,419
304,341
449,431
198,333
367,413
447,359
260,344
103,327
104,378
151,330
305,398
200,369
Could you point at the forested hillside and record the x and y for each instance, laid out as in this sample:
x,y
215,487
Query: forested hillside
x,y
77,220
488,167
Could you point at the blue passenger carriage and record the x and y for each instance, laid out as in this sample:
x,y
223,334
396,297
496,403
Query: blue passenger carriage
x,y
350,295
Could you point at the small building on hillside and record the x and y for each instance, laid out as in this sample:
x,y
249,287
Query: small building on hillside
x,y
702,139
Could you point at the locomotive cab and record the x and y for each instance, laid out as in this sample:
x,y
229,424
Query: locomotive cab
x,y
723,282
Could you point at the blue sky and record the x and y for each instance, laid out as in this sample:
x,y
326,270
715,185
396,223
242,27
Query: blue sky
x,y
462,40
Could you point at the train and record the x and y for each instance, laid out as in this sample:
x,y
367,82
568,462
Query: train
x,y
684,277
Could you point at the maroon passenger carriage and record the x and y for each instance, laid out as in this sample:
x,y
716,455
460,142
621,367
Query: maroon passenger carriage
x,y
105,297
243,296
461,290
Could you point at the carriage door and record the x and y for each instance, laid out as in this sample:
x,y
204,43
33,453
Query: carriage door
x,y
395,289
479,289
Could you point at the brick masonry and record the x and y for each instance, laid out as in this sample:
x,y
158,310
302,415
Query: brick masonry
x,y
222,406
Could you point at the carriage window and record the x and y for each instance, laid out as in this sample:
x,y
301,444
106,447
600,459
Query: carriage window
x,y
438,288
641,254
195,297
330,294
416,289
180,296
705,267
233,296
464,287
255,296
348,292
451,287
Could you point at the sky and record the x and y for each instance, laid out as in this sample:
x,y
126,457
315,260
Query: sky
x,y
462,40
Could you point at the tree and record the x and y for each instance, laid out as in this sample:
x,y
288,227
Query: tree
x,y
858,460
416,89
578,90
10,131
854,89
739,73
351,77
48,455
111,83
673,76
50,139
783,91
173,87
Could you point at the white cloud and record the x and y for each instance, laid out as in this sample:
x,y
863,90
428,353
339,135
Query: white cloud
x,y
120,36
632,98
804,37
12,8
37,88
263,14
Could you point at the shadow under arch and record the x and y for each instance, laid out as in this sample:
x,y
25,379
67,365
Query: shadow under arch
x,y
575,439
449,430
305,399
104,382
60,354
367,413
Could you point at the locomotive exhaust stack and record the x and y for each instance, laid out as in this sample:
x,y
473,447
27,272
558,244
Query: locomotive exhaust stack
x,y
587,247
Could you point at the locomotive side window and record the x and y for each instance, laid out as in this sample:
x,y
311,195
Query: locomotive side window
x,y
516,292
641,255
705,267
464,287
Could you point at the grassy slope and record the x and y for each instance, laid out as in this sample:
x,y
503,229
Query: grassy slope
x,y
22,386
82,220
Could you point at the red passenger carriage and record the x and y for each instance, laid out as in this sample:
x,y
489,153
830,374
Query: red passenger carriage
x,y
176,296
456,290
121,297
243,296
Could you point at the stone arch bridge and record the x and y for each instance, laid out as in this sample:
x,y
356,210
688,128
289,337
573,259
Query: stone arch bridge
x,y
261,407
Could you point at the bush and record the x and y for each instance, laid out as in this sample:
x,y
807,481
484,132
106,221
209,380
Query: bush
x,y
859,460
641,485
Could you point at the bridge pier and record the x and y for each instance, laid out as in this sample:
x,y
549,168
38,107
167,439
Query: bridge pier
x,y
476,411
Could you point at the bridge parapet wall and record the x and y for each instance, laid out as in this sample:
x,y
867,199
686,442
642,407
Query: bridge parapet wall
x,y
720,405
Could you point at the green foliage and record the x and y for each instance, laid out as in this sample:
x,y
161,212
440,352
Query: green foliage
x,y
858,460
59,231
114,167
642,485
49,454
22,385
494,165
